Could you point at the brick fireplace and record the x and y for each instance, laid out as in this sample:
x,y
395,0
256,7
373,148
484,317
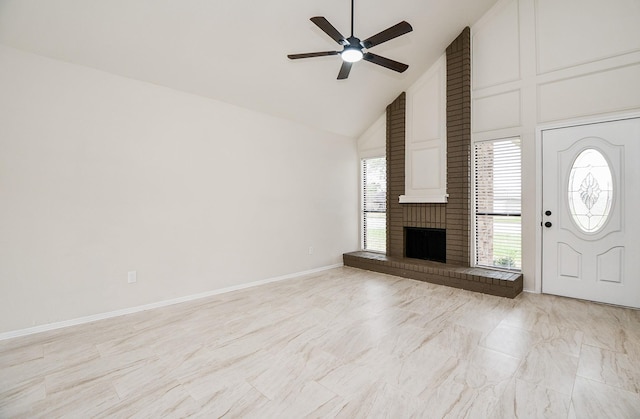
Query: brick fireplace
x,y
454,216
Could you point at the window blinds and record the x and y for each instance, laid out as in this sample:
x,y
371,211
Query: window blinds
x,y
374,204
498,178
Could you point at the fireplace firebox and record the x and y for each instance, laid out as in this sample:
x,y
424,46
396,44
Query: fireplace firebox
x,y
426,243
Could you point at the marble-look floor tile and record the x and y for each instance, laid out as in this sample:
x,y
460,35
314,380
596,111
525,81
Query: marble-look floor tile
x,y
610,334
509,340
632,350
407,290
593,400
188,360
404,341
304,400
20,354
134,341
235,399
228,368
305,341
430,306
162,399
39,368
523,401
569,313
94,332
548,368
435,368
473,388
379,400
528,311
338,343
494,364
610,313
17,401
452,339
63,350
17,375
611,368
351,342
85,399
285,371
558,339
481,315
347,378
210,384
94,371
142,378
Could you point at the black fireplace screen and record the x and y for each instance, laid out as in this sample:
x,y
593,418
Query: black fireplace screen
x,y
426,243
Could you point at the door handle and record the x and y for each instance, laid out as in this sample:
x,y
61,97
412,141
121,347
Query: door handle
x,y
548,224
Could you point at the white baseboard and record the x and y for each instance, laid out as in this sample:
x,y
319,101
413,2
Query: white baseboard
x,y
130,310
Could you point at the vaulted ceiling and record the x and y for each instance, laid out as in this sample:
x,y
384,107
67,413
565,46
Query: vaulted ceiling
x,y
235,51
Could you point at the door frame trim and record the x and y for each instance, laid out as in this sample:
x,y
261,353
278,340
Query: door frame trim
x,y
568,123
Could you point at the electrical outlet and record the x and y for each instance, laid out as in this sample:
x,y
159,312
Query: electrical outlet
x,y
310,250
132,276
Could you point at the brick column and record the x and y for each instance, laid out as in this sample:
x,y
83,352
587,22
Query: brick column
x,y
459,148
395,175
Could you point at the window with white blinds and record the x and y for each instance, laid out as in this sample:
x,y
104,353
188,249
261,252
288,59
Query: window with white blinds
x,y
498,203
374,204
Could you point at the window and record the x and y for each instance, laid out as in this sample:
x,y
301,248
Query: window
x,y
497,203
374,204
590,190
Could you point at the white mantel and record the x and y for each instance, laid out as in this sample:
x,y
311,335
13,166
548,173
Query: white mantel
x,y
426,199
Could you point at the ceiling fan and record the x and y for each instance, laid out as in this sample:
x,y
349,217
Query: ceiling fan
x,y
354,49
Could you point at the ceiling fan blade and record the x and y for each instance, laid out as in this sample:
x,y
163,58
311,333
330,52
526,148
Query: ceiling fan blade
x,y
385,62
387,34
328,28
312,54
344,70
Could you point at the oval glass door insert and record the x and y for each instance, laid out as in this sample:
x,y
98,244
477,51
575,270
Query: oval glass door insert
x,y
590,190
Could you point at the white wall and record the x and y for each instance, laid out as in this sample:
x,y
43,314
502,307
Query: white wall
x,y
426,137
373,142
100,175
538,63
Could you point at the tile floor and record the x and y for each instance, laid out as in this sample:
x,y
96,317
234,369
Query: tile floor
x,y
341,343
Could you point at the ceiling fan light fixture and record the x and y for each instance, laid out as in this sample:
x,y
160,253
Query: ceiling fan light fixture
x,y
351,54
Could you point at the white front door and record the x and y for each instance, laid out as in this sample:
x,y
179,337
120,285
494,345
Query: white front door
x,y
591,212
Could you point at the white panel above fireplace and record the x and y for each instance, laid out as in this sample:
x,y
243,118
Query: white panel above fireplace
x,y
425,176
426,138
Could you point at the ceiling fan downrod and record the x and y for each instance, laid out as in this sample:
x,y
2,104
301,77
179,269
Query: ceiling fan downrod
x,y
352,1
